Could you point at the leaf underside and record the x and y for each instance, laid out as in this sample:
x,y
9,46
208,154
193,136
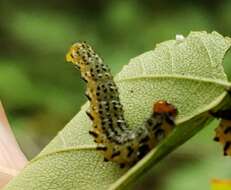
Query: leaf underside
x,y
188,73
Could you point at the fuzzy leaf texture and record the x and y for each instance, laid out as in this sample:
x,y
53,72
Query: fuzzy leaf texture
x,y
186,72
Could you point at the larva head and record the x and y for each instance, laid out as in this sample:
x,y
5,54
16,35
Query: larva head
x,y
80,54
162,106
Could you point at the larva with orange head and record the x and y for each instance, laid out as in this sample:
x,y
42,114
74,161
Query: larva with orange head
x,y
110,130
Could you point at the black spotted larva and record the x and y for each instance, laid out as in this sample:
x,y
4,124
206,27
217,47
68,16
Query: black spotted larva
x,y
223,131
115,139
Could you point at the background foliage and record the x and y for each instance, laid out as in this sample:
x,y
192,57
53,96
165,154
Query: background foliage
x,y
41,92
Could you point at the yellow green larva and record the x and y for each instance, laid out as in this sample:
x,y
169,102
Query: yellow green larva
x,y
110,131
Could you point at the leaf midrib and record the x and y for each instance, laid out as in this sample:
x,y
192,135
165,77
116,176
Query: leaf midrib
x,y
64,150
220,82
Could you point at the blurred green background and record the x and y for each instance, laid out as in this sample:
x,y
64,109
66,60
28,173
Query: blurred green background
x,y
41,92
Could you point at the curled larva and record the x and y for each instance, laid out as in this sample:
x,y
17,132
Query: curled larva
x,y
110,130
223,131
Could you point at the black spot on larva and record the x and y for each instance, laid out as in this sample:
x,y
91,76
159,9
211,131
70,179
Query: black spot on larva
x,y
84,78
107,132
94,134
150,122
142,151
88,97
115,107
103,148
117,141
107,104
98,88
89,115
227,130
159,134
169,119
144,140
105,160
110,124
130,150
227,145
216,139
157,125
100,76
122,165
77,66
116,153
85,59
111,89
103,127
116,131
114,102
119,122
224,114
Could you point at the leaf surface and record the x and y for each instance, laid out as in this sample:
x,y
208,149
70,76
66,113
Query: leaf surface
x,y
186,72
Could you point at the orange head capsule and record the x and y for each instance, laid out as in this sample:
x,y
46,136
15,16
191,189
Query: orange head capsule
x,y
162,106
81,54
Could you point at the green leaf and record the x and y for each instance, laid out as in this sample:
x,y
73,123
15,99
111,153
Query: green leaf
x,y
186,72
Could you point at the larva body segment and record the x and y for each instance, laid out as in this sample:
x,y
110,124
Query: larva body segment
x,y
115,139
223,131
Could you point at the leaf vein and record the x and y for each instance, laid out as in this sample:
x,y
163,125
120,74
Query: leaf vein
x,y
226,84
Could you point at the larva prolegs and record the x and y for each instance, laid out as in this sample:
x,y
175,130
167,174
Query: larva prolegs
x,y
223,131
224,114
